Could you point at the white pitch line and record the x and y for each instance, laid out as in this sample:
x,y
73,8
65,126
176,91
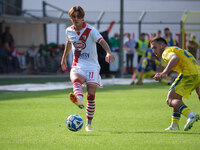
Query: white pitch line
x,y
62,85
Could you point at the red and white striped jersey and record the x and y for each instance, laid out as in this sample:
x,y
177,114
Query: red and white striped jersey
x,y
84,45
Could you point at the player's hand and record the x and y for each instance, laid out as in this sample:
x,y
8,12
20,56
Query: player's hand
x,y
63,64
157,76
110,58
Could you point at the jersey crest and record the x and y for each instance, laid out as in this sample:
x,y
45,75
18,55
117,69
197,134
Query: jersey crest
x,y
79,45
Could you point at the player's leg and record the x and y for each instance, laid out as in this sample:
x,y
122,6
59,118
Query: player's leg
x,y
175,100
77,96
135,77
198,92
140,78
132,56
127,63
91,90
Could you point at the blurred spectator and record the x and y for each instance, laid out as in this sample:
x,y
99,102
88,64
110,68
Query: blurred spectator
x,y
32,58
168,37
129,46
7,37
53,57
101,56
114,42
20,58
4,62
13,64
174,39
158,33
43,54
192,45
141,46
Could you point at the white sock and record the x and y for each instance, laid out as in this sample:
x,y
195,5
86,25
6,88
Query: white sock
x,y
190,114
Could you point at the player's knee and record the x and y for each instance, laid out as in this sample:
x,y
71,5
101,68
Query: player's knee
x,y
91,90
169,102
77,80
90,96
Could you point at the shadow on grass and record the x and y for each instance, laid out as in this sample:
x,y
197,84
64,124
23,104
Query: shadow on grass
x,y
11,95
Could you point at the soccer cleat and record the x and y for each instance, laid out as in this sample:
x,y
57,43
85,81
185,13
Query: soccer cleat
x,y
171,127
191,121
76,100
134,82
88,128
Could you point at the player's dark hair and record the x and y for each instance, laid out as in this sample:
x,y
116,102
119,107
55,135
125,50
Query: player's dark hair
x,y
159,40
81,12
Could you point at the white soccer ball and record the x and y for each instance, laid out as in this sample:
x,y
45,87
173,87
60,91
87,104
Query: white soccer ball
x,y
74,122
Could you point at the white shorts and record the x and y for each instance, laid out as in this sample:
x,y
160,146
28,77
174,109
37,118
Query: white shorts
x,y
91,75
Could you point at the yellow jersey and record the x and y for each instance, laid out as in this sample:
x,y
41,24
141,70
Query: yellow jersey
x,y
187,64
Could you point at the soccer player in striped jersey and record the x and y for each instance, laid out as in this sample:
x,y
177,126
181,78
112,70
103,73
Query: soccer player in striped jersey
x,y
185,64
82,39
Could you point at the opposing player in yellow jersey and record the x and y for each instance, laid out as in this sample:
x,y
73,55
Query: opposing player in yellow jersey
x,y
185,64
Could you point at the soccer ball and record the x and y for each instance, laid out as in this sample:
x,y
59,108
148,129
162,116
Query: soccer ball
x,y
74,122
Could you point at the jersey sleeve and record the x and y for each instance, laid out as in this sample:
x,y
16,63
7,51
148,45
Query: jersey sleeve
x,y
96,35
167,55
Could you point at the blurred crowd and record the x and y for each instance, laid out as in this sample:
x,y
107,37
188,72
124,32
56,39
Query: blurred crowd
x,y
138,47
46,58
33,60
147,64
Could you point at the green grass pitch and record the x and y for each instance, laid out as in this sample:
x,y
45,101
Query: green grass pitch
x,y
126,118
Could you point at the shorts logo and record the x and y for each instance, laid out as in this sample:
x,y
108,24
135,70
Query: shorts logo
x,y
79,45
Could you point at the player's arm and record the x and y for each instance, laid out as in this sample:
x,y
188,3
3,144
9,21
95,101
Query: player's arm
x,y
109,56
172,63
68,47
198,92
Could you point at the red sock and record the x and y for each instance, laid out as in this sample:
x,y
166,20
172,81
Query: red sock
x,y
90,107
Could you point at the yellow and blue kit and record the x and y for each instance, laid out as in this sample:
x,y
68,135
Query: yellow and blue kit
x,y
149,67
188,69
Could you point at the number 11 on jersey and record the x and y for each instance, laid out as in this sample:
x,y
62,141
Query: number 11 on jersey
x,y
91,75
